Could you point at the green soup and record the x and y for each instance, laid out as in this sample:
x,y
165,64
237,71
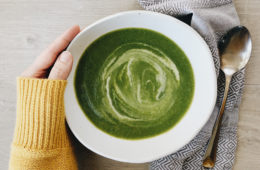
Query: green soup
x,y
134,83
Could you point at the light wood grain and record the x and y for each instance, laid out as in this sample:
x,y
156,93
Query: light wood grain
x,y
248,150
28,26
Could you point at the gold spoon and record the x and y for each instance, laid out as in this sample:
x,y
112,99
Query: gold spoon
x,y
235,50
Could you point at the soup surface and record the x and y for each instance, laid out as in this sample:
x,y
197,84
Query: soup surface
x,y
134,83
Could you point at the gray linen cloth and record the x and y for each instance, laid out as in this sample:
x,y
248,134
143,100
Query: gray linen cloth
x,y
211,19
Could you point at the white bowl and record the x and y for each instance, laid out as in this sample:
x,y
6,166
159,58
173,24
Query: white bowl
x,y
149,149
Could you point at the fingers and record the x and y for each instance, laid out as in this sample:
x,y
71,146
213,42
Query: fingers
x,y
62,66
49,56
39,68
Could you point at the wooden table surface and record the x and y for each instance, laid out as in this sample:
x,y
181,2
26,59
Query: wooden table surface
x,y
28,26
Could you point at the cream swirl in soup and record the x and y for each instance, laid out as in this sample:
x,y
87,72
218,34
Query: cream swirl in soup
x,y
134,83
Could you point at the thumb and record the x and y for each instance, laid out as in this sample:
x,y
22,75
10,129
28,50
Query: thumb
x,y
62,66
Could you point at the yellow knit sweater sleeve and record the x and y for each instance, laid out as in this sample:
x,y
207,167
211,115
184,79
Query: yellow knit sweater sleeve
x,y
40,138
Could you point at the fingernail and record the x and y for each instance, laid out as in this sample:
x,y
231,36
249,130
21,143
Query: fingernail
x,y
65,56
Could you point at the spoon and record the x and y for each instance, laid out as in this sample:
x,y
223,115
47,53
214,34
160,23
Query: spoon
x,y
235,50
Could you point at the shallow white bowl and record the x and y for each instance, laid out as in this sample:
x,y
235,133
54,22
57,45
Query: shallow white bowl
x,y
145,150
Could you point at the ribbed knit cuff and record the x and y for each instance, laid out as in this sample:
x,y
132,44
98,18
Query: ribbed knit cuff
x,y
40,122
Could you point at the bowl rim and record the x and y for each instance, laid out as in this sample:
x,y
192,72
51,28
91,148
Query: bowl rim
x,y
188,139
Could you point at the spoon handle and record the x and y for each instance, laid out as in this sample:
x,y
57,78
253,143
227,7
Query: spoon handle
x,y
210,154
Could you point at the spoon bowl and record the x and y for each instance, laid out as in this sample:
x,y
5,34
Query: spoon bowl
x,y
235,50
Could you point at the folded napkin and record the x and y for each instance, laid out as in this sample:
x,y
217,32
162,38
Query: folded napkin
x,y
211,19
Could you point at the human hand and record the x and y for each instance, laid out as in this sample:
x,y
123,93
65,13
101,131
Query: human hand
x,y
54,62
